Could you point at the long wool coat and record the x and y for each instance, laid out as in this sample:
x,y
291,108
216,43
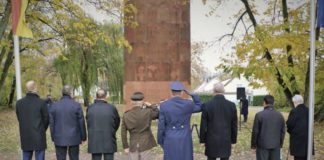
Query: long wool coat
x,y
297,125
218,127
103,122
174,133
33,121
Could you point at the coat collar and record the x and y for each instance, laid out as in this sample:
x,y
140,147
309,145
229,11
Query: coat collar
x,y
66,97
136,107
175,98
32,94
219,96
269,107
301,105
99,101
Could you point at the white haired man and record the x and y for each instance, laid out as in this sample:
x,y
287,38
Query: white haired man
x,y
297,125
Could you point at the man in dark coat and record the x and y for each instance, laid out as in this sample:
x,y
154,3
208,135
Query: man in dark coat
x,y
268,132
67,125
103,122
137,121
33,121
174,133
218,128
48,101
245,108
297,125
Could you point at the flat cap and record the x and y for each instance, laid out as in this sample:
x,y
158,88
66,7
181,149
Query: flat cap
x,y
137,96
176,86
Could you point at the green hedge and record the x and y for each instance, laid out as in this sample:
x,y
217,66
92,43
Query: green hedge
x,y
205,97
258,100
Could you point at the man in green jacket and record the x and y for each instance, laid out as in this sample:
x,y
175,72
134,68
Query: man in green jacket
x,y
137,121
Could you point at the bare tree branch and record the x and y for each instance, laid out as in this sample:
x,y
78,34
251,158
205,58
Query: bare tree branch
x,y
54,29
235,26
274,12
40,40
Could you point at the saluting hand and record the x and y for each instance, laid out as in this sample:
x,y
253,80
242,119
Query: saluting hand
x,y
187,92
147,104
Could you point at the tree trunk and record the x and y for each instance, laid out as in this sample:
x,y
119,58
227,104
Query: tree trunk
x,y
4,50
5,19
12,92
5,69
85,79
292,79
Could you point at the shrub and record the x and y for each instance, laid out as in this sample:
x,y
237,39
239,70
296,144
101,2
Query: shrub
x,y
205,97
258,100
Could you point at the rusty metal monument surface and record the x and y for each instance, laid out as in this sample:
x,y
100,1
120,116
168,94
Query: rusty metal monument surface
x,y
161,48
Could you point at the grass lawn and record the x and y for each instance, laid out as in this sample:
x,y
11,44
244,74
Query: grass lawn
x,y
9,140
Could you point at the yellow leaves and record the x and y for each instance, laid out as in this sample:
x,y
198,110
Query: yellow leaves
x,y
6,43
123,42
78,26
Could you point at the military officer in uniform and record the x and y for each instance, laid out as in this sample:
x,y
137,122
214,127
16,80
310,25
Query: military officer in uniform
x,y
174,133
137,121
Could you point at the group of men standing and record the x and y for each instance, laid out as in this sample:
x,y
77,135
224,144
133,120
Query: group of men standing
x,y
67,125
218,129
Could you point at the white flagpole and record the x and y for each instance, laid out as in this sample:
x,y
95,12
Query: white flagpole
x,y
17,66
311,81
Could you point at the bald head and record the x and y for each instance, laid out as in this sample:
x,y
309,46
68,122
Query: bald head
x,y
101,94
219,88
31,86
67,90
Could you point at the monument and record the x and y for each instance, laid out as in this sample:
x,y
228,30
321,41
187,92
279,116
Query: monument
x,y
160,48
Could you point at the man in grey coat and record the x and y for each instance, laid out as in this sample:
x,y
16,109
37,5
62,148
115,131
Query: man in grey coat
x,y
33,121
67,125
268,131
103,122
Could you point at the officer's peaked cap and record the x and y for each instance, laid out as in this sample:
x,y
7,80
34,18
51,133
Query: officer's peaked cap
x,y
176,86
137,96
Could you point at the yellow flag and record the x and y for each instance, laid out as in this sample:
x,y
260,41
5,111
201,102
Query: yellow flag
x,y
19,25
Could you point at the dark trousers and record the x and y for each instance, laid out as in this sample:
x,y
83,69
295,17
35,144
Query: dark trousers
x,y
245,117
213,158
62,150
106,156
300,158
39,155
268,154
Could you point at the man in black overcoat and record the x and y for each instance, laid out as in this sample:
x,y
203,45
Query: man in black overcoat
x,y
103,122
245,108
218,128
33,121
297,127
67,125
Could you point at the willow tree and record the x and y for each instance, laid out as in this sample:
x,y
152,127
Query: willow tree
x,y
111,60
49,21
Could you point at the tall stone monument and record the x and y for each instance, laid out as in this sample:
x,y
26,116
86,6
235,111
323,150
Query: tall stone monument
x,y
161,48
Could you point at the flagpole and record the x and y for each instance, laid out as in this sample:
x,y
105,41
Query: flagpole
x,y
17,66
311,81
